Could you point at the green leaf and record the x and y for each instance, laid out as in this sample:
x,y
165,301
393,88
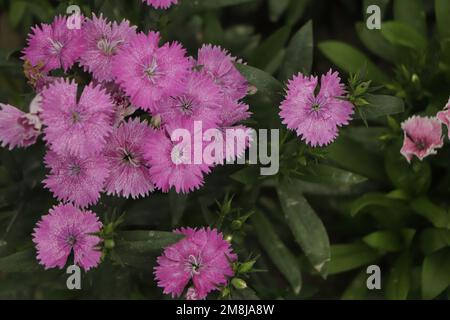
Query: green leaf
x,y
296,10
384,241
351,60
435,214
308,229
399,279
375,42
267,98
248,176
299,54
402,34
177,204
22,261
345,257
432,240
435,273
381,105
277,251
269,48
442,9
352,156
357,290
376,199
208,4
143,241
324,174
414,178
412,13
16,11
277,8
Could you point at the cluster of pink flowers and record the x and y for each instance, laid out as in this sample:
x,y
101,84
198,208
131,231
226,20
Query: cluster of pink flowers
x,y
316,117
160,4
96,142
423,135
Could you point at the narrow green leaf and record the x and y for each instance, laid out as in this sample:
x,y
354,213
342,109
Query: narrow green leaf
x,y
432,240
402,34
357,290
264,54
296,10
277,8
22,261
208,4
442,9
399,279
351,60
345,257
308,229
384,241
16,11
381,105
430,211
142,241
375,42
412,13
277,251
435,273
319,173
299,54
376,199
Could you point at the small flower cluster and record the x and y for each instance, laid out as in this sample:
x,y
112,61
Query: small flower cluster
x,y
423,135
96,141
160,4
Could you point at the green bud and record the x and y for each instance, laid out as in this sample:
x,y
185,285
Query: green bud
x,y
246,266
239,283
109,244
236,224
225,292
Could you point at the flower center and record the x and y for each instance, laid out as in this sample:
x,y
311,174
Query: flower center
x,y
420,145
179,155
316,107
56,46
185,105
71,240
193,264
152,72
107,46
75,169
76,117
129,157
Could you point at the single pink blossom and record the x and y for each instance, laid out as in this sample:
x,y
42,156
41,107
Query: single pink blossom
x,y
17,128
63,230
129,171
444,117
203,257
148,72
76,179
160,4
172,163
219,65
316,118
76,127
422,136
54,46
200,101
103,40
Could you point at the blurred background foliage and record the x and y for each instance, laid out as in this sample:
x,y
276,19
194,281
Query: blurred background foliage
x,y
330,212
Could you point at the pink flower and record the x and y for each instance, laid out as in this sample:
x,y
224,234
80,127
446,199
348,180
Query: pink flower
x,y
219,65
200,101
54,46
103,40
129,172
164,4
422,136
76,127
444,117
66,228
192,294
17,128
172,163
76,179
316,118
233,112
149,73
202,257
